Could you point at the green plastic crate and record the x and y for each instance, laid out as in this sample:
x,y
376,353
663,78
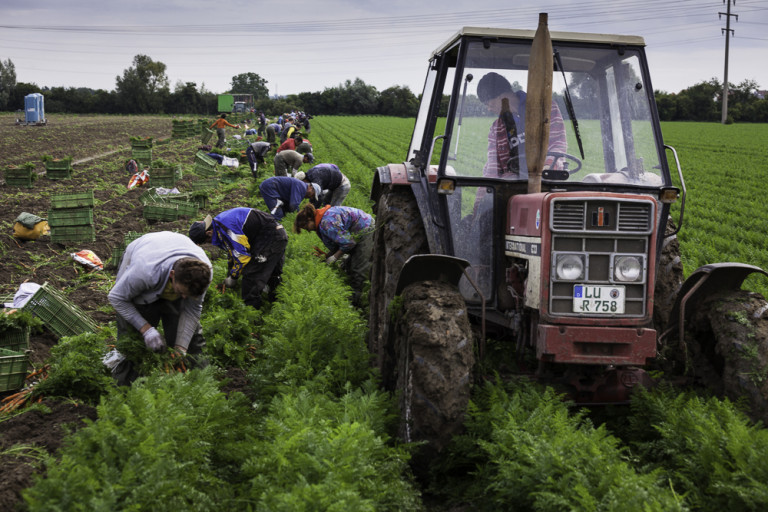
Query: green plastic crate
x,y
117,252
58,174
15,338
57,313
142,143
64,234
62,164
206,184
206,136
187,209
150,196
205,165
72,200
70,216
177,198
161,212
163,176
19,176
19,182
13,369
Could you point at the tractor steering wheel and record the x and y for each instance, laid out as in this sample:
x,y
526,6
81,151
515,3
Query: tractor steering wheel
x,y
556,155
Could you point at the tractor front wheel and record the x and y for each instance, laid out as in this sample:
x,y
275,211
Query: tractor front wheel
x,y
434,365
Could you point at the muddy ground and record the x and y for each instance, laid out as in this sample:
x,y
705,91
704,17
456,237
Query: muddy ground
x,y
99,146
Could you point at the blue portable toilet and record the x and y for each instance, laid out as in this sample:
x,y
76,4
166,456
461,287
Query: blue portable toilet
x,y
33,108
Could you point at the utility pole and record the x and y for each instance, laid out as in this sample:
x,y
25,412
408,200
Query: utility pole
x,y
728,31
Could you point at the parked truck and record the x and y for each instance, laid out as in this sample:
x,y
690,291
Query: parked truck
x,y
234,103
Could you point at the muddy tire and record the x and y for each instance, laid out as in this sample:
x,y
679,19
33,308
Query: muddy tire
x,y
435,359
669,279
728,347
399,235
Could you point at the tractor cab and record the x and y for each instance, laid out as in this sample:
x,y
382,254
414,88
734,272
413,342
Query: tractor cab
x,y
470,135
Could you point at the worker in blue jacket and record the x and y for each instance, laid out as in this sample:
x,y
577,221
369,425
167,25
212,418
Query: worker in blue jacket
x,y
284,194
255,245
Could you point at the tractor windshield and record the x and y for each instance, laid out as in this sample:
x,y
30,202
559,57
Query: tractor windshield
x,y
601,128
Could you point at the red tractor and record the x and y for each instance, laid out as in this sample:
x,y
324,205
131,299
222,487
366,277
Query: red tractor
x,y
533,209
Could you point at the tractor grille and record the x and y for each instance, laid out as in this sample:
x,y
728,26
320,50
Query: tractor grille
x,y
602,215
600,230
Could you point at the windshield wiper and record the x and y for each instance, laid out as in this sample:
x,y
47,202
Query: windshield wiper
x,y
569,104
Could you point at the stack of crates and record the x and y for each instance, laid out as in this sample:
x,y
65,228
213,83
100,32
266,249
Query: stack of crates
x,y
204,164
57,313
58,168
202,189
178,129
141,151
20,176
117,252
71,217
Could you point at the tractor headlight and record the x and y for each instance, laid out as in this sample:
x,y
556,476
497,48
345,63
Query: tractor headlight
x,y
569,267
628,268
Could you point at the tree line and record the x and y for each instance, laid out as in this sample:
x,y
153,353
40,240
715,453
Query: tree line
x,y
143,88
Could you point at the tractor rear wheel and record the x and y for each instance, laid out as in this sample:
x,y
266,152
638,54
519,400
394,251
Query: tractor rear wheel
x,y
399,235
728,345
435,359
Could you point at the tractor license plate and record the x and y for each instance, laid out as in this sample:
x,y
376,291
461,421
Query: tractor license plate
x,y
604,300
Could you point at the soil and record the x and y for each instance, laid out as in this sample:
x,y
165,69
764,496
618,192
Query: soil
x,y
98,164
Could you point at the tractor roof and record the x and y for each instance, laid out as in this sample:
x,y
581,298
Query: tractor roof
x,y
528,34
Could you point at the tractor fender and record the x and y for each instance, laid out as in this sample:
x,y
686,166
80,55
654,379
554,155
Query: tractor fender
x,y
704,282
431,267
391,174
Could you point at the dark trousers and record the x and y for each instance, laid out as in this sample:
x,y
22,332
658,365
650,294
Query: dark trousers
x,y
258,274
167,312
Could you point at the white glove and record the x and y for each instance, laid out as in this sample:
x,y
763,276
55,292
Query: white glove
x,y
230,282
153,340
277,205
331,260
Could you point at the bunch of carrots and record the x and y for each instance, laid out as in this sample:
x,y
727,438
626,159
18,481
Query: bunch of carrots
x,y
17,400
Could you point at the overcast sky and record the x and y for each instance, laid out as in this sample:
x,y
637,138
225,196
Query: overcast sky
x,y
309,45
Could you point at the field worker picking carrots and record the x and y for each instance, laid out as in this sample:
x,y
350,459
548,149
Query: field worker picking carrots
x,y
333,184
284,194
289,159
220,124
163,277
255,245
344,231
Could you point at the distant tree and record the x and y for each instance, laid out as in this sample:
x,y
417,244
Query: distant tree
x,y
250,83
7,81
398,101
185,99
16,99
700,102
143,87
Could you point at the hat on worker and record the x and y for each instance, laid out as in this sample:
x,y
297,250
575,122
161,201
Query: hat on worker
x,y
310,157
318,191
491,85
197,229
300,175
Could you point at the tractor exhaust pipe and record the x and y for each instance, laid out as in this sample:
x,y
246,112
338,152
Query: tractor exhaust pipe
x,y
538,104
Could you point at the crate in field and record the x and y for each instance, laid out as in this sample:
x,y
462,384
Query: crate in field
x,y
58,168
204,164
201,199
72,234
13,369
150,196
72,200
58,313
23,176
141,142
15,338
177,198
161,212
70,216
206,184
117,252
187,209
164,176
206,136
142,156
